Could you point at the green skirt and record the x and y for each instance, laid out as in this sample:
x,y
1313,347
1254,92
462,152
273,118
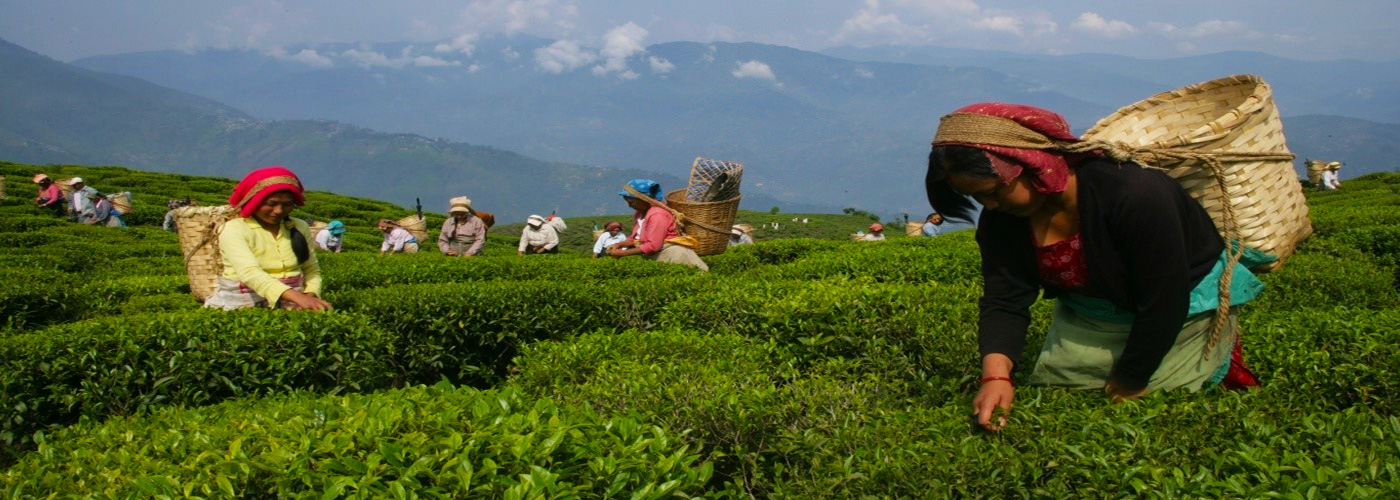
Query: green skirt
x,y
1080,351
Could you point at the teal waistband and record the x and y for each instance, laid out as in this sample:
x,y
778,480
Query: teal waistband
x,y
1244,287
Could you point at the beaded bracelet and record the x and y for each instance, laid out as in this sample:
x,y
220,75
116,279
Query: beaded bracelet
x,y
990,378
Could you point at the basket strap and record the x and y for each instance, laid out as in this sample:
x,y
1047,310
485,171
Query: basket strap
x,y
210,232
680,217
1215,161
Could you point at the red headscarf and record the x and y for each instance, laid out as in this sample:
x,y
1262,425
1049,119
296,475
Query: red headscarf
x,y
261,182
1049,169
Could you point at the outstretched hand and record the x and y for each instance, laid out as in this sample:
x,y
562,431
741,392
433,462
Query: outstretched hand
x,y
1119,394
993,404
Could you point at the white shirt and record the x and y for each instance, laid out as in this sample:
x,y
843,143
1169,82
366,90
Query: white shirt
x,y
607,239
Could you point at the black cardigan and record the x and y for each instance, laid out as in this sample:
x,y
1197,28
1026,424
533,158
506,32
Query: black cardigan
x,y
1146,243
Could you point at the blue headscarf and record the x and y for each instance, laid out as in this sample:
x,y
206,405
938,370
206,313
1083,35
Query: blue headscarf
x,y
645,186
336,227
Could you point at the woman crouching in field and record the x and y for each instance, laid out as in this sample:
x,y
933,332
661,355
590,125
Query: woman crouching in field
x,y
1133,260
268,261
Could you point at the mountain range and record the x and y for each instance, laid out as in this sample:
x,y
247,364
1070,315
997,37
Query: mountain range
x,y
816,131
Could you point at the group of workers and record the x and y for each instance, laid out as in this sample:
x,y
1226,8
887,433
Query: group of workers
x,y
83,204
1132,260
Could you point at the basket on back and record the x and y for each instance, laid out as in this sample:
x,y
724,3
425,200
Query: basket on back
x,y
707,221
199,228
121,202
416,227
1234,125
914,228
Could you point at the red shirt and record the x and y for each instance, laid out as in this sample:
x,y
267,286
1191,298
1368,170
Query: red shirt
x,y
660,225
1062,264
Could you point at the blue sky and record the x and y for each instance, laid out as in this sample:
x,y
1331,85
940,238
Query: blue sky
x,y
1308,30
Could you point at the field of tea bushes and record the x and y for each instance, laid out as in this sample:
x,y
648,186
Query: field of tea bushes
x,y
805,366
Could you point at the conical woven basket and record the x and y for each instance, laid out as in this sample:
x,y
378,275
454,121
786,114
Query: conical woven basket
x,y
914,228
1315,169
121,202
708,222
416,227
1235,114
199,228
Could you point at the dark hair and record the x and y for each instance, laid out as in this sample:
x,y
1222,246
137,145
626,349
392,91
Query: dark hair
x,y
954,159
299,245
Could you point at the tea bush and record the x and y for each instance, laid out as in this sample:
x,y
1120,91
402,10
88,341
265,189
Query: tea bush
x,y
122,365
423,442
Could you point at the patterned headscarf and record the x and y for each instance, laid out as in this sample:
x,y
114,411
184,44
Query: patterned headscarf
x,y
1049,169
261,182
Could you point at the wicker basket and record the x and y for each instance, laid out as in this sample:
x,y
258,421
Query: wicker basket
x,y
914,229
121,202
712,180
707,222
416,227
1235,114
199,241
317,227
597,233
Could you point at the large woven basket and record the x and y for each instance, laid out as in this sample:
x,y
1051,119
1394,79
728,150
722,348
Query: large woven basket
x,y
707,222
121,202
1235,114
199,228
416,227
914,228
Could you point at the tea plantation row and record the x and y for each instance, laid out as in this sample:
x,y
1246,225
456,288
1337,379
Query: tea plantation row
x,y
794,369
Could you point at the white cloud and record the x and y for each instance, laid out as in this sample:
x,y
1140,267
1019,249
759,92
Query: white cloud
x,y
754,69
563,55
872,22
370,58
433,62
464,43
1001,24
474,68
546,16
864,73
1161,27
619,44
660,65
306,56
1095,24
510,54
1217,27
709,55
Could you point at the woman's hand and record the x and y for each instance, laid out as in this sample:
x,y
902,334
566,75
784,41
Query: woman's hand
x,y
994,395
1119,394
996,392
305,301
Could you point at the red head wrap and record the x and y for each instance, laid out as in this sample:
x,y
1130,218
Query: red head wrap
x,y
1049,169
261,182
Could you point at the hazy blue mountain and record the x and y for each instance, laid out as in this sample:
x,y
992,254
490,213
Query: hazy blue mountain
x,y
1364,146
51,112
824,130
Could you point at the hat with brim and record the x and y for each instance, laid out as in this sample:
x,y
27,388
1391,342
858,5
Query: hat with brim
x,y
459,205
534,221
336,227
39,178
75,181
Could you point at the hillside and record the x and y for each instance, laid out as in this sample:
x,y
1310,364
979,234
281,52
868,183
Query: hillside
x,y
796,367
56,113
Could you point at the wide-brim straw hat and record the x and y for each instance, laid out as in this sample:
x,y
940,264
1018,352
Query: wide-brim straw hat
x,y
460,204
38,178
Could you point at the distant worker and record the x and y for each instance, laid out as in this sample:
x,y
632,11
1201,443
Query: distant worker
x,y
50,197
463,233
330,237
169,223
103,213
739,235
612,235
267,256
80,203
877,233
933,224
1331,176
538,237
658,239
396,238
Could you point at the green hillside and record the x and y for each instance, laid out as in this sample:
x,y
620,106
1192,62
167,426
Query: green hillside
x,y
798,367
